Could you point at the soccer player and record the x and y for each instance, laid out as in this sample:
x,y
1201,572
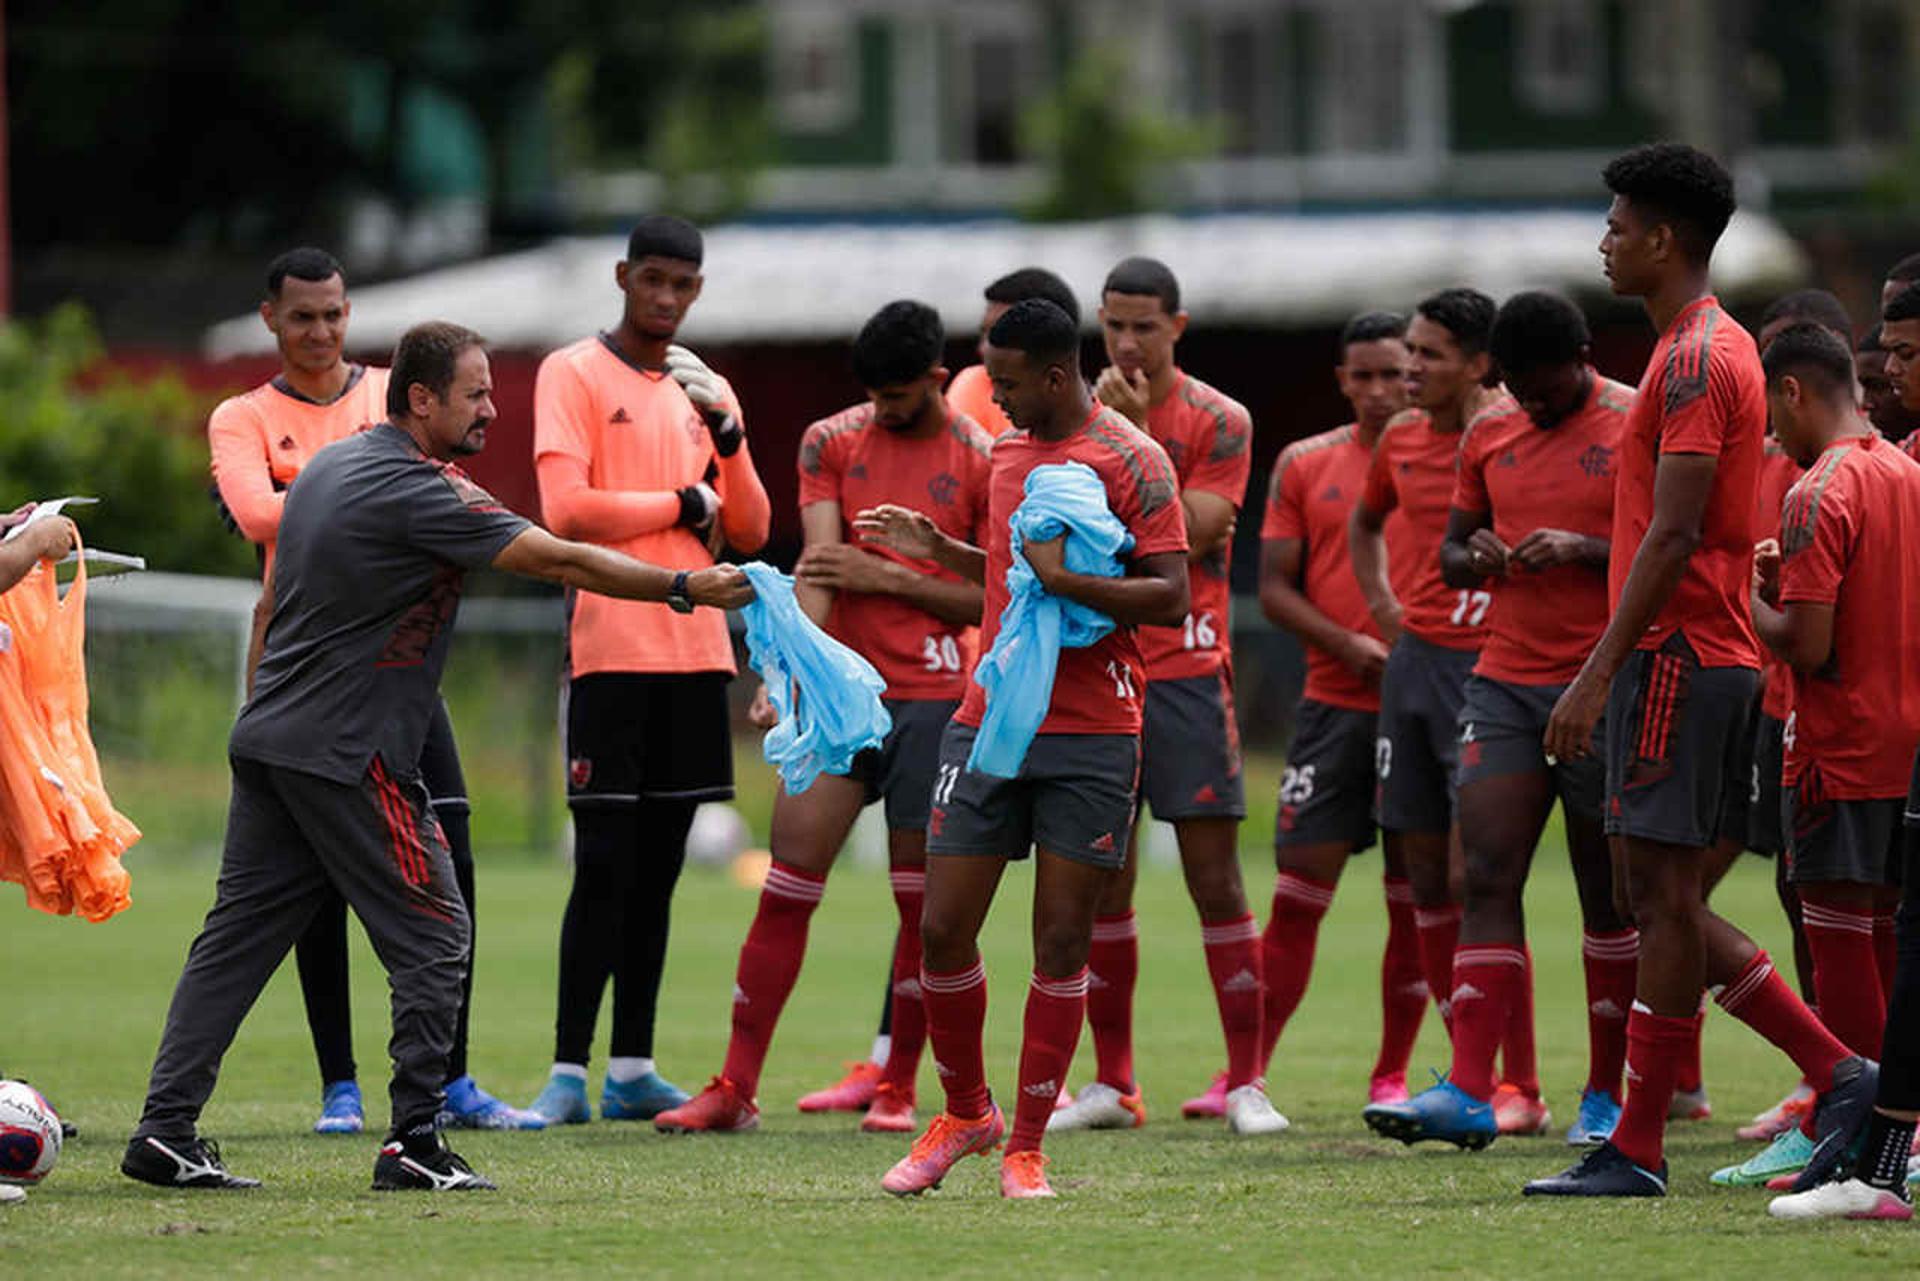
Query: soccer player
x,y
1435,633
373,545
259,442
1879,398
1074,796
1838,602
918,624
1677,668
970,395
1190,741
1326,794
639,447
1532,508
971,391
1902,276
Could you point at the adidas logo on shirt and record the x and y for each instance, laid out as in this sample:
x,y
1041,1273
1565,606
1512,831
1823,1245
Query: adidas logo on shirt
x,y
286,442
620,416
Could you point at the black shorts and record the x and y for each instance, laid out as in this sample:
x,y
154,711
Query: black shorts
x,y
1854,841
1326,791
1074,796
1190,750
1503,727
635,736
1766,829
1420,696
1677,743
900,771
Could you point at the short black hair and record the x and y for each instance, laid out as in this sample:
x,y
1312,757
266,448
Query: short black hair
x,y
1145,278
1372,326
1679,185
1906,270
1536,329
665,236
426,354
1815,306
1035,282
304,263
1040,329
1905,305
1869,342
899,343
1465,313
1808,348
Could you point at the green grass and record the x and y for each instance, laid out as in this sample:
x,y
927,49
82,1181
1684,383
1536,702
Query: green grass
x,y
801,1196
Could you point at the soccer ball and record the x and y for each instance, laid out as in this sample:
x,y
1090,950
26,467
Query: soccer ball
x,y
29,1134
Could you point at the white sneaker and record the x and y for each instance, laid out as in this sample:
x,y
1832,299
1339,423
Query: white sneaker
x,y
1099,1107
1250,1111
1846,1199
9,1193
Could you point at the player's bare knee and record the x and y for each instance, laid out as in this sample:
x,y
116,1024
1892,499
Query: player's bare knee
x,y
1059,948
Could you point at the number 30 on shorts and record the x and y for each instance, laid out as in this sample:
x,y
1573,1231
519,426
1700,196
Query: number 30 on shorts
x,y
1382,756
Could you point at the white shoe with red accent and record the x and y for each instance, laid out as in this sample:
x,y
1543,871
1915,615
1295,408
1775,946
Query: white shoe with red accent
x,y
1100,1107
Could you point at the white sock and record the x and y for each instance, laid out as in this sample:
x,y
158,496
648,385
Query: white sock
x,y
623,1070
577,1071
882,1049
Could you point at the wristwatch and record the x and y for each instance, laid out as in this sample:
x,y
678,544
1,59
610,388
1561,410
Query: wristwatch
x,y
677,599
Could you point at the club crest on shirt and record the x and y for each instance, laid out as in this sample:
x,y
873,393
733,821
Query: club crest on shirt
x,y
944,488
1597,461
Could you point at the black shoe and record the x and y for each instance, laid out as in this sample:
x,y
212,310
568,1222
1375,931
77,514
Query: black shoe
x,y
441,1170
1839,1118
1605,1171
179,1163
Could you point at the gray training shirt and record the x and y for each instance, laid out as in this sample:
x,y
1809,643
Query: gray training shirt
x,y
375,540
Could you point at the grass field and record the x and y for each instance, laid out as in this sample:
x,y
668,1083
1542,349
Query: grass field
x,y
801,1198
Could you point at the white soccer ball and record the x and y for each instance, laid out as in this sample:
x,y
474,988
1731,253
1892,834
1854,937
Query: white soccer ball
x,y
29,1134
719,832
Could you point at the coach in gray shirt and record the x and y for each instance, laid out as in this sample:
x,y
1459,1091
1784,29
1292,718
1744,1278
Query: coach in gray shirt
x,y
376,537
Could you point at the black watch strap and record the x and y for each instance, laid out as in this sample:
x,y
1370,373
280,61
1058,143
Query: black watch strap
x,y
677,599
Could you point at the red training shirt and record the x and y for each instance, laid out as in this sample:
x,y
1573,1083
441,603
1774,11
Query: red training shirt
x,y
1543,624
1096,689
1413,471
851,460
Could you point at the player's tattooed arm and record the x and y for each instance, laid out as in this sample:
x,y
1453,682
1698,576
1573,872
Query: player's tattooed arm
x,y
1682,486
1367,545
1153,592
915,536
1471,552
1282,561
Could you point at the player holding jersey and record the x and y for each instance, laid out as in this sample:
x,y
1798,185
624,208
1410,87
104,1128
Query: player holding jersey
x,y
1074,796
918,624
1190,740
1532,508
1327,792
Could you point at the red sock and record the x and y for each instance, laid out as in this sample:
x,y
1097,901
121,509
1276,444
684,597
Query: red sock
x,y
1759,998
1686,1077
1286,951
1488,981
1655,1046
1846,972
956,1006
1403,983
1054,1010
1519,1064
1439,933
1233,963
1611,960
769,964
1886,949
909,1019
1113,966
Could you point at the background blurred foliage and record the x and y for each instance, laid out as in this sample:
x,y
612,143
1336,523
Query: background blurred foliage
x,y
71,426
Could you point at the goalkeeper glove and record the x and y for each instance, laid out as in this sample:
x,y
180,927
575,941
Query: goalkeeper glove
x,y
704,389
699,504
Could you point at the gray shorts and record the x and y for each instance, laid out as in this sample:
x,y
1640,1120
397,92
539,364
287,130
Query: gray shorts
x,y
1677,743
1326,793
1854,841
1420,696
1190,749
1502,729
1074,796
900,770
1766,830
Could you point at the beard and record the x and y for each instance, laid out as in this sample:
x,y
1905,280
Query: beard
x,y
472,439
